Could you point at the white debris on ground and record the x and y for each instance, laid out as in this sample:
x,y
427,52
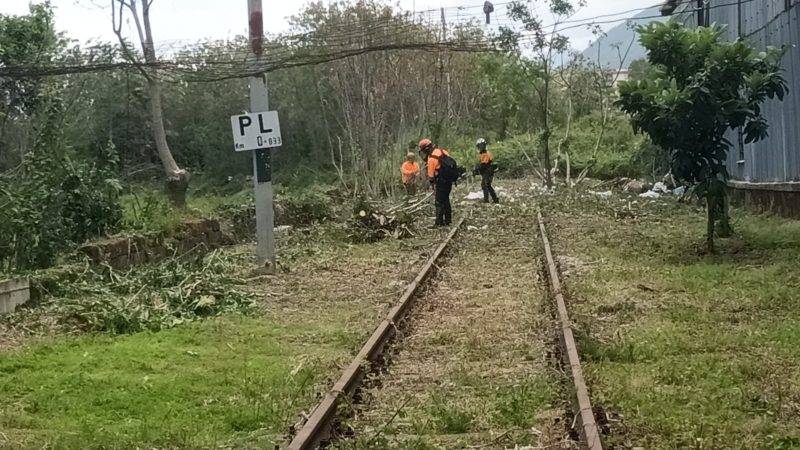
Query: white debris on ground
x,y
661,188
542,190
604,195
474,196
650,194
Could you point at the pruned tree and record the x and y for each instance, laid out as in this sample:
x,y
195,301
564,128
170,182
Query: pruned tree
x,y
699,88
177,179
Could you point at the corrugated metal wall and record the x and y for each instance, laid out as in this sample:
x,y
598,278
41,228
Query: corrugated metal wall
x,y
766,23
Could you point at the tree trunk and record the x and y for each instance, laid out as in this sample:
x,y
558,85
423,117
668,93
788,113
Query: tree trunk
x,y
710,207
177,179
724,229
548,179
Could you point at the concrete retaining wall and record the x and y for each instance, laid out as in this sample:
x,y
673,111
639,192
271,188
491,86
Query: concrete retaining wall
x,y
778,198
13,293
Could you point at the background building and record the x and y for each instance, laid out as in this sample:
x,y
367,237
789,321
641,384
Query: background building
x,y
765,174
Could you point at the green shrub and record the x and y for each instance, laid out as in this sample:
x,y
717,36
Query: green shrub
x,y
516,157
52,202
305,206
148,210
621,152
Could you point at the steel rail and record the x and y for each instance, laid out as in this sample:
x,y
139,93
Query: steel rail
x,y
317,428
589,432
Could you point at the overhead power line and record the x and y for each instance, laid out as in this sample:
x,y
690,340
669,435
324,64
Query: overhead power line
x,y
399,31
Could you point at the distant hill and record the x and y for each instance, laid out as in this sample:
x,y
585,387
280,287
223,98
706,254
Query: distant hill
x,y
621,35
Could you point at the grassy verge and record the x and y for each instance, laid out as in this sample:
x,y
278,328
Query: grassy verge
x,y
202,385
693,350
233,380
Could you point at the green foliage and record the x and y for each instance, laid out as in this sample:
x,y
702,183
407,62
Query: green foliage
x,y
148,210
150,297
640,69
621,152
25,40
709,340
701,87
450,418
306,206
53,201
512,155
231,381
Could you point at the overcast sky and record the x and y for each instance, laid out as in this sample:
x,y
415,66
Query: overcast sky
x,y
184,21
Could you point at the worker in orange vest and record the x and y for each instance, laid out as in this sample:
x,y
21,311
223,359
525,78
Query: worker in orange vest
x,y
486,170
409,172
442,186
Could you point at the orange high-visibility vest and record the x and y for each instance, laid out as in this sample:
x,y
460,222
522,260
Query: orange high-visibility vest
x,y
433,161
409,171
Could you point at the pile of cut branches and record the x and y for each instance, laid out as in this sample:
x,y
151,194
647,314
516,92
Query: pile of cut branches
x,y
150,297
372,222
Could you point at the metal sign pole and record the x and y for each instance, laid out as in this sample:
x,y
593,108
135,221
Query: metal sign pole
x,y
262,167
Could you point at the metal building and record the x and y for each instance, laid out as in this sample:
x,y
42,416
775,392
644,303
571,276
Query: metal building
x,y
765,174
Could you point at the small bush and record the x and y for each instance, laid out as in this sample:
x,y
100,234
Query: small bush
x,y
305,206
516,157
148,210
618,154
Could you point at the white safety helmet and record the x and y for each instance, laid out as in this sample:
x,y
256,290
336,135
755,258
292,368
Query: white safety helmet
x,y
481,143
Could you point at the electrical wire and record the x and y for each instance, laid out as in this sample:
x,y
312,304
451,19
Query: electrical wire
x,y
393,31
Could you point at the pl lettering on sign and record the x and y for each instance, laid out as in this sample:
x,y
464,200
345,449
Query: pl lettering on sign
x,y
256,130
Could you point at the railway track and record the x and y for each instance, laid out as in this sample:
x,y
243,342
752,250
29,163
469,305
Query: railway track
x,y
317,429
589,432
473,369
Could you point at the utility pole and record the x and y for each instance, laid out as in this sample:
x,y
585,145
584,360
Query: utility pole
x,y
262,164
448,108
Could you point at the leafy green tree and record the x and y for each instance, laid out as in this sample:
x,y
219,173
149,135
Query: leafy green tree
x,y
24,40
640,69
699,88
53,200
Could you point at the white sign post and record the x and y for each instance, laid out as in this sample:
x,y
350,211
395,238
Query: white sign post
x,y
256,130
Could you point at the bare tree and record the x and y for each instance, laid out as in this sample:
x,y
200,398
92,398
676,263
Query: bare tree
x,y
177,178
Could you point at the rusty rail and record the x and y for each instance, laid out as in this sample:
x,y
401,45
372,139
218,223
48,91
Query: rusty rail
x,y
317,428
589,432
